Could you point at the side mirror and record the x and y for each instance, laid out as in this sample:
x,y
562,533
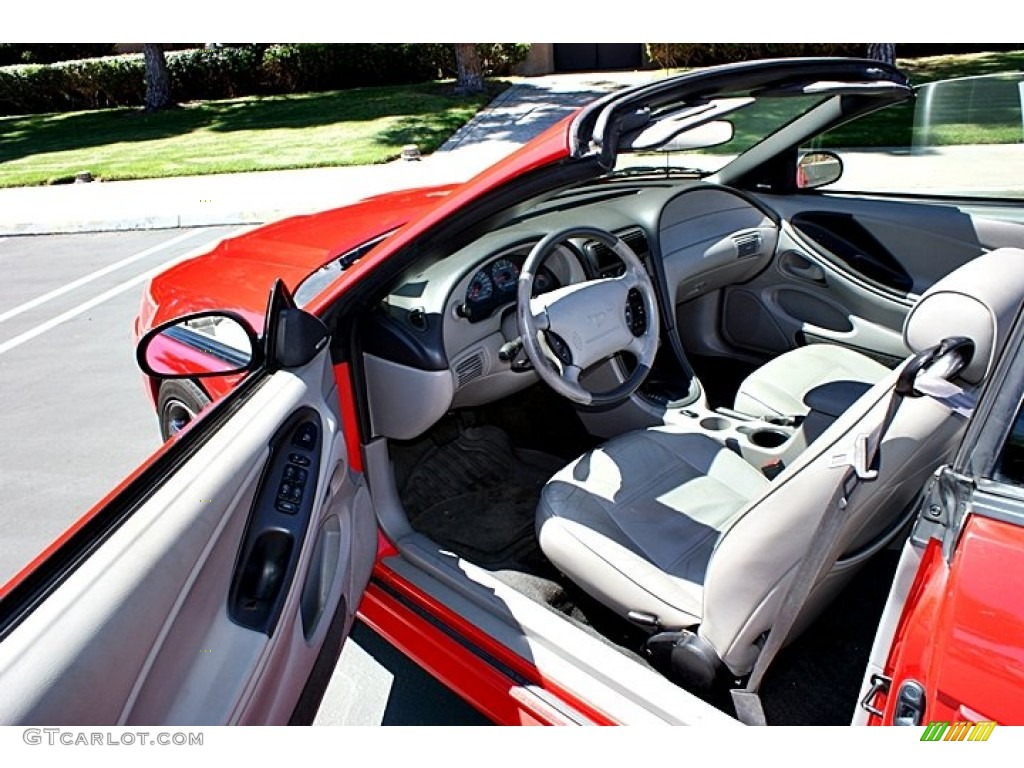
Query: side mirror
x,y
816,169
199,345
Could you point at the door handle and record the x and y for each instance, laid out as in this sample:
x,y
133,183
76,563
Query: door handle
x,y
799,266
261,580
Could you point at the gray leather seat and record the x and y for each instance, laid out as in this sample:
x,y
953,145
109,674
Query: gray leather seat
x,y
672,529
784,386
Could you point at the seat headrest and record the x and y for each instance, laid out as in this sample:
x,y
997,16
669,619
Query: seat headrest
x,y
980,300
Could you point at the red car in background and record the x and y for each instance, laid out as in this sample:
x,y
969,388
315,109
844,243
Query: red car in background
x,y
687,412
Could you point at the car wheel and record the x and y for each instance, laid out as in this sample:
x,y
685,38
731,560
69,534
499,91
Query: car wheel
x,y
179,402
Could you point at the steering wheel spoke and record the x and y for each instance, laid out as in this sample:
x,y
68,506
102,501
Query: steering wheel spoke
x,y
631,279
636,347
540,315
582,324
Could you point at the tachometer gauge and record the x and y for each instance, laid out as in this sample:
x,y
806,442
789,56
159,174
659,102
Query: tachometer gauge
x,y
505,275
480,288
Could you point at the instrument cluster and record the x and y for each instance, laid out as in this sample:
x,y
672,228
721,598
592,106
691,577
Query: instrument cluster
x,y
494,285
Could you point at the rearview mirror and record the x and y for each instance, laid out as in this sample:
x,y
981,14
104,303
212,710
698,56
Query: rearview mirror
x,y
199,345
816,169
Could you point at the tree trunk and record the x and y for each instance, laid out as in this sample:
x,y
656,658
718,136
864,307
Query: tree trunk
x,y
158,80
470,68
882,52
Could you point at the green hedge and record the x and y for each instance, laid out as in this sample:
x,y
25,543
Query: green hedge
x,y
72,85
47,53
672,55
243,70
296,68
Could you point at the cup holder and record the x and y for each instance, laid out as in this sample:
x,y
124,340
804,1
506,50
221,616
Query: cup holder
x,y
768,438
715,423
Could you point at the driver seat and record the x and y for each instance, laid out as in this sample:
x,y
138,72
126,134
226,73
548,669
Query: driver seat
x,y
673,531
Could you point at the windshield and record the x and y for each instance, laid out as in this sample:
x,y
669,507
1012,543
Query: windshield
x,y
317,281
752,119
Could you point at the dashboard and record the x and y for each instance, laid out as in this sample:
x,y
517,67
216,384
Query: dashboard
x,y
439,339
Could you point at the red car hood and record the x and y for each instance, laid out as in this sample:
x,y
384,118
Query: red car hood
x,y
240,271
238,274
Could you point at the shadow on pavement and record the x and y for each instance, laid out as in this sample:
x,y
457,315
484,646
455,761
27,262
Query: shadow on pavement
x,y
527,109
415,698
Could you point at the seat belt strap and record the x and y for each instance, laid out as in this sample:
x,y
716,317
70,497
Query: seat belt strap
x,y
747,700
862,464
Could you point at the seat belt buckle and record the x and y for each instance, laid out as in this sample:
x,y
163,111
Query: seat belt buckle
x,y
856,457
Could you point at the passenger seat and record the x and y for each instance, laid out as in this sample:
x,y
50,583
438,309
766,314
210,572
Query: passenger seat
x,y
822,377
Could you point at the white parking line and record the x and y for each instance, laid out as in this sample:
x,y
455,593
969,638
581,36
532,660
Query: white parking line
x,y
94,275
42,328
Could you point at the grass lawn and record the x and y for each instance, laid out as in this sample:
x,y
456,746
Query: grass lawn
x,y
351,127
930,68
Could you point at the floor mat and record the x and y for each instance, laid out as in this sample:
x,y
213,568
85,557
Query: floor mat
x,y
477,496
475,493
538,419
563,597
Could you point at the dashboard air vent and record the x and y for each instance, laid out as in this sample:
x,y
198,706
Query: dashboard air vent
x,y
604,260
468,369
748,244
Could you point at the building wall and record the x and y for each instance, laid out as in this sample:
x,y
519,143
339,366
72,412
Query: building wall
x,y
539,61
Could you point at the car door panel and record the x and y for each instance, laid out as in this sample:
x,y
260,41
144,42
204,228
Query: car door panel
x,y
141,633
847,271
845,241
928,239
803,298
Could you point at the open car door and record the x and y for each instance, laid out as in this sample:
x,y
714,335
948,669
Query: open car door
x,y
207,587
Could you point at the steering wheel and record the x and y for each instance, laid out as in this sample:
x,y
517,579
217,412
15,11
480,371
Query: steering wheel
x,y
567,330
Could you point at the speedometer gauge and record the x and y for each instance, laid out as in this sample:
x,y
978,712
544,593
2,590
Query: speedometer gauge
x,y
480,288
505,275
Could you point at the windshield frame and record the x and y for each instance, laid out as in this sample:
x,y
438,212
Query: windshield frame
x,y
604,129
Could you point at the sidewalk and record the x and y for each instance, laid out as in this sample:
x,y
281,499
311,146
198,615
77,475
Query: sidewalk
x,y
513,118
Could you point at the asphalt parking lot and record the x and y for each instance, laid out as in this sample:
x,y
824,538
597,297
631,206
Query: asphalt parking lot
x,y
76,417
77,420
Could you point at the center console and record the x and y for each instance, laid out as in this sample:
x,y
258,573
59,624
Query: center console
x,y
767,446
770,447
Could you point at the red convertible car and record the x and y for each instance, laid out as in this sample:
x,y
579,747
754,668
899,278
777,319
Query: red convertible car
x,y
690,411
